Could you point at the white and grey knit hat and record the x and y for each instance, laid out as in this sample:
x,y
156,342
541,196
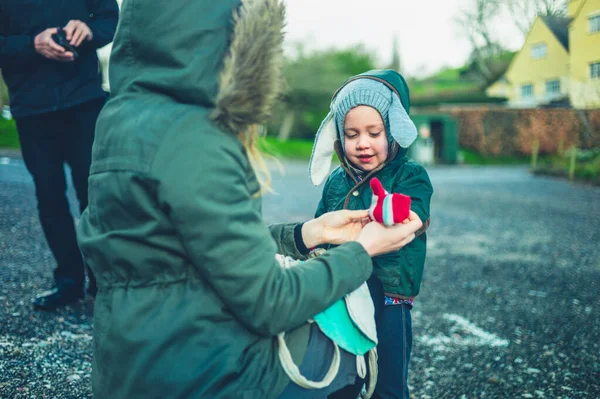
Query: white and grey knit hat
x,y
398,125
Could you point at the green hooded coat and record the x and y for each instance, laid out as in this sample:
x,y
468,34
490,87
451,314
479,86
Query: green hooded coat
x,y
190,295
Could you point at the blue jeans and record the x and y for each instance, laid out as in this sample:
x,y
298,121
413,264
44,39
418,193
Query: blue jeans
x,y
395,344
48,141
394,331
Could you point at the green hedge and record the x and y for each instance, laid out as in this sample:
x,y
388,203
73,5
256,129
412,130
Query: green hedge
x,y
466,97
8,134
470,157
513,132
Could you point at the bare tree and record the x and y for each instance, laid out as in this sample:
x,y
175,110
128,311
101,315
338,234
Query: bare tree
x,y
524,12
475,24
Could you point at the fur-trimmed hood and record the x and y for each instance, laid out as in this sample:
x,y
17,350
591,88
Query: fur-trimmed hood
x,y
216,56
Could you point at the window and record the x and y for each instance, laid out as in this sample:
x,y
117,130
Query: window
x,y
594,23
552,88
595,70
539,51
527,91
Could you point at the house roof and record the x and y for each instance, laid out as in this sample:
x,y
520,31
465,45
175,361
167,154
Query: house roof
x,y
579,7
560,27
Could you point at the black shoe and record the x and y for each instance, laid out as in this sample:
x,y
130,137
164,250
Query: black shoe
x,y
55,298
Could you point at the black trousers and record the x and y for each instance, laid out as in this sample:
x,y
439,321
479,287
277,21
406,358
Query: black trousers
x,y
48,141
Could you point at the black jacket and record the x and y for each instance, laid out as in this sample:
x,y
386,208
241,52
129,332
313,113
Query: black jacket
x,y
38,85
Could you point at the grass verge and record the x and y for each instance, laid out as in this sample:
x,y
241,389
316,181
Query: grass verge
x,y
8,134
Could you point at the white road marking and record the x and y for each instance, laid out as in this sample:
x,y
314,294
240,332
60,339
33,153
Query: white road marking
x,y
462,333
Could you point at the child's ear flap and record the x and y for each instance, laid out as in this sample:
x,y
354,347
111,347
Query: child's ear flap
x,y
402,128
322,152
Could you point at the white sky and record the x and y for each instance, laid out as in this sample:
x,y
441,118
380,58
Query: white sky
x,y
428,38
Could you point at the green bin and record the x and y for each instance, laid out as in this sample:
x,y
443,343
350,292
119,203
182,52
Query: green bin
x,y
439,132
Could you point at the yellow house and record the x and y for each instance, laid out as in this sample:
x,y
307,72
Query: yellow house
x,y
584,44
500,88
539,73
560,59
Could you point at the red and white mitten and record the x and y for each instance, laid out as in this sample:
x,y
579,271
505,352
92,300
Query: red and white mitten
x,y
387,208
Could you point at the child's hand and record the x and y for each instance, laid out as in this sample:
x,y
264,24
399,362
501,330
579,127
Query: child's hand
x,y
334,227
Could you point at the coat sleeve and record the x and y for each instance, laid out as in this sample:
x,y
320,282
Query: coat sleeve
x,y
225,239
104,16
414,182
15,50
283,235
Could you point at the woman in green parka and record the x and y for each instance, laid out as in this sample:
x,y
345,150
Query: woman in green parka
x,y
190,296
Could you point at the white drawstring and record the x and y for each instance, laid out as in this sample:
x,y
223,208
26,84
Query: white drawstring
x,y
373,373
292,371
361,367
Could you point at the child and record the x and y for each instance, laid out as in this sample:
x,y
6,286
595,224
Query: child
x,y
369,128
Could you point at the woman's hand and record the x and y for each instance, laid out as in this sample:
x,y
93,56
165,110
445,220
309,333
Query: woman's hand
x,y
378,239
334,227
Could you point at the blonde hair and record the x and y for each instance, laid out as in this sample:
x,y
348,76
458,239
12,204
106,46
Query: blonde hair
x,y
249,139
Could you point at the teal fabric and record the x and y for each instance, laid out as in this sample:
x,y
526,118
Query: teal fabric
x,y
335,322
388,215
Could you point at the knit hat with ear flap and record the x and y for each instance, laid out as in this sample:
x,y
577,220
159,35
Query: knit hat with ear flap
x,y
367,89
398,125
362,92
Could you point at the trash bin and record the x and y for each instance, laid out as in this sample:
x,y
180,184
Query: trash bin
x,y
424,146
437,141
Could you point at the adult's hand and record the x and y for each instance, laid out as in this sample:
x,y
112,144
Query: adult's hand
x,y
335,227
47,47
77,31
379,239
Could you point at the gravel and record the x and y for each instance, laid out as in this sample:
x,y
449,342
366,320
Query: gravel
x,y
508,306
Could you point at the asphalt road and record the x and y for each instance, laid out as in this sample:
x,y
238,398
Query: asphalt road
x,y
508,307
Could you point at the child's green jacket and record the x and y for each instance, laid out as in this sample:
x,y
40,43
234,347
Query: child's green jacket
x,y
400,272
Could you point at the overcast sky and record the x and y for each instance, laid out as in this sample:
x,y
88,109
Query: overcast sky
x,y
428,38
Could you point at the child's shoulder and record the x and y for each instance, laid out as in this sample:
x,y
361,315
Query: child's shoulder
x,y
404,168
336,174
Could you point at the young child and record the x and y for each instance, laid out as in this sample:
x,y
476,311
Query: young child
x,y
369,128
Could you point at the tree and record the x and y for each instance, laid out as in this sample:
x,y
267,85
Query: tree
x,y
475,24
524,12
311,81
396,64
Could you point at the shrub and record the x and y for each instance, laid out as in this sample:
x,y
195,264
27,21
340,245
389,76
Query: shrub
x,y
512,132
